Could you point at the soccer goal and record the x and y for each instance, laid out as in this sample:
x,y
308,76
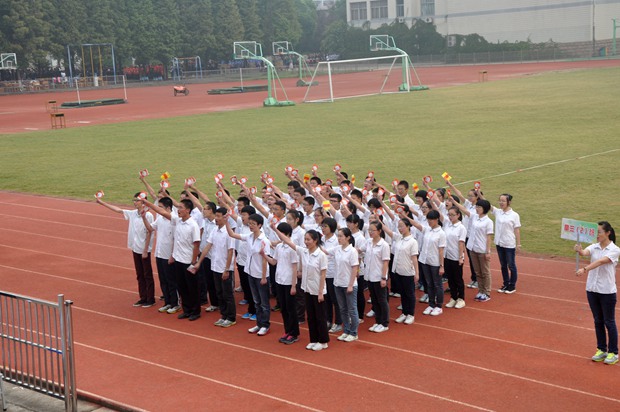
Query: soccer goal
x,y
341,79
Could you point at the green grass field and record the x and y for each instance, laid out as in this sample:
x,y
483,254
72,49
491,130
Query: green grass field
x,y
474,132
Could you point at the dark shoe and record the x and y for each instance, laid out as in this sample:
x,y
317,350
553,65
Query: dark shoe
x,y
148,304
139,303
290,340
194,317
276,308
183,316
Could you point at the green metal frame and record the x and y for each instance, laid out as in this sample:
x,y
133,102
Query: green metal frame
x,y
390,45
272,74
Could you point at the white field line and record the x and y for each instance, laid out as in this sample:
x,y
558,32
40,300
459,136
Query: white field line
x,y
410,352
62,238
32,219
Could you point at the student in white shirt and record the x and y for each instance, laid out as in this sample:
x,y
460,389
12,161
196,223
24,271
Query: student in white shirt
x,y
314,267
345,283
601,290
242,259
330,241
376,267
220,247
507,241
184,254
258,271
479,245
405,265
355,224
431,259
468,210
140,241
455,257
286,261
163,254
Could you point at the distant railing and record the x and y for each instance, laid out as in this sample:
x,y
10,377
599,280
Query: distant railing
x,y
37,346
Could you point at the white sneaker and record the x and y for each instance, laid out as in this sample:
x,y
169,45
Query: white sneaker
x,y
211,308
399,307
342,337
369,301
396,295
335,328
409,320
174,309
164,308
401,318
254,329
380,328
319,346
310,345
351,338
460,303
373,327
424,298
263,331
436,311
451,304
427,311
370,314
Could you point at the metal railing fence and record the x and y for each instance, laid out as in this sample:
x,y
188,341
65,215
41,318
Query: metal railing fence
x,y
36,339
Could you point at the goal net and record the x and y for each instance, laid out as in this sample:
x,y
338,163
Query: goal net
x,y
341,79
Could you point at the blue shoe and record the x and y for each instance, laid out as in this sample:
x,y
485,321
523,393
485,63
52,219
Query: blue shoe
x,y
243,302
246,315
253,317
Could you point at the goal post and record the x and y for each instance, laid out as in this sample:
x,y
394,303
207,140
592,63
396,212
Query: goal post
x,y
367,76
341,79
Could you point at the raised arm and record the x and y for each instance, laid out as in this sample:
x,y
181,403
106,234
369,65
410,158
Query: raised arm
x,y
148,187
456,191
109,206
158,209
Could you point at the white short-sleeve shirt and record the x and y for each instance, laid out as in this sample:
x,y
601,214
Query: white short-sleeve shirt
x,y
454,234
480,228
312,265
433,240
603,278
404,248
254,266
185,234
136,232
221,244
286,258
374,257
505,225
165,237
346,259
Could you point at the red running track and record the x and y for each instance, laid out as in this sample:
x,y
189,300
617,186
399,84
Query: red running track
x,y
526,351
26,112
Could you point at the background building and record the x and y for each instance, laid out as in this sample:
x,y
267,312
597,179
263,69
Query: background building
x,y
496,20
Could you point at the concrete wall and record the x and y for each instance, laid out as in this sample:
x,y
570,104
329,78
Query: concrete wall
x,y
511,20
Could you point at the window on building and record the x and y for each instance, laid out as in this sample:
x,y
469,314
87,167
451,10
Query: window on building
x,y
358,11
379,9
427,7
400,8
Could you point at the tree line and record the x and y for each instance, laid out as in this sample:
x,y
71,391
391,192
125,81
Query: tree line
x,y
149,32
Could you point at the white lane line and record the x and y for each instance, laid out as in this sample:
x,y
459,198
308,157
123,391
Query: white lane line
x,y
34,272
466,365
287,358
62,238
63,210
92,228
539,166
66,257
194,375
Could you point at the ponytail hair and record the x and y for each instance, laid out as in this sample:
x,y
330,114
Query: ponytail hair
x,y
607,228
